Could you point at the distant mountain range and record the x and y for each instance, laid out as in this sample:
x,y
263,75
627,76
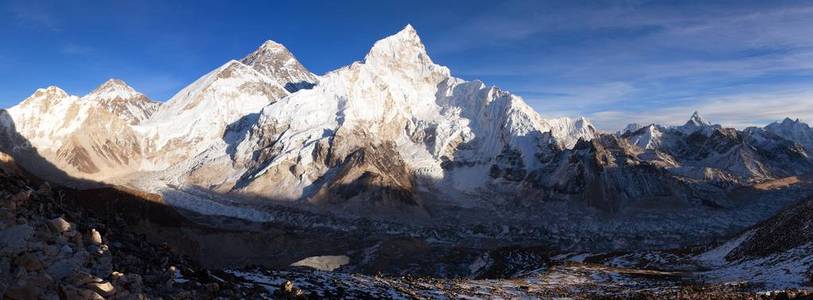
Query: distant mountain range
x,y
392,135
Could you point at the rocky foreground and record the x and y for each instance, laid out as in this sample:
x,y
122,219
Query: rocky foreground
x,y
55,249
52,250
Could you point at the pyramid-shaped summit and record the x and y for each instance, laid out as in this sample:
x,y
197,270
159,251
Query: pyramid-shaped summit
x,y
273,59
112,89
697,120
403,50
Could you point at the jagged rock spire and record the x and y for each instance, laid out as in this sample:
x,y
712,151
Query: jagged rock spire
x,y
697,120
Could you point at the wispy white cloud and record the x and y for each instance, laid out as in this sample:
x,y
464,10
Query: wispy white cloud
x,y
34,14
75,49
756,108
575,99
742,65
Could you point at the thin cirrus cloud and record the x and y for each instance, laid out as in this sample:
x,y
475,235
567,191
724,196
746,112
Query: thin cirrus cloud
x,y
755,108
76,49
573,100
615,62
35,14
612,61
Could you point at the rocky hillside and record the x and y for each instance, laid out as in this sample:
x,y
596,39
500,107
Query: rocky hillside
x,y
53,248
776,252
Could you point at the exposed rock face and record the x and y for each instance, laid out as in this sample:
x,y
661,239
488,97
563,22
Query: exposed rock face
x,y
608,173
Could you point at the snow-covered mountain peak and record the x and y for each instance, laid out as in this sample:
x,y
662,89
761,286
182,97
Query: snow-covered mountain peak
x,y
697,121
794,130
44,98
630,128
568,132
187,98
646,137
199,113
272,59
271,46
789,126
791,123
409,29
394,46
47,116
50,92
120,99
403,51
583,122
788,120
113,89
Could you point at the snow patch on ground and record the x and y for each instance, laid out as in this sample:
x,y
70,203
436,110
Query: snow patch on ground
x,y
323,263
212,205
716,256
789,269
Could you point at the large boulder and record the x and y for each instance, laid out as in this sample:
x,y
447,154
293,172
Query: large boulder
x,y
59,225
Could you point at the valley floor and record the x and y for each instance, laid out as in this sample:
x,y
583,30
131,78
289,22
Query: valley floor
x,y
564,281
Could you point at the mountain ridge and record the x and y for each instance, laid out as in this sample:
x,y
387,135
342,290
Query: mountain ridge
x,y
393,126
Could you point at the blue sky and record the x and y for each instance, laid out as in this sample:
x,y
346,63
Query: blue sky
x,y
739,63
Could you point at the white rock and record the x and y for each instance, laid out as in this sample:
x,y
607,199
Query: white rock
x,y
59,225
95,237
323,263
105,289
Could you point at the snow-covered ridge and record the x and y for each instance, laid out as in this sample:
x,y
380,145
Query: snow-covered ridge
x,y
700,149
196,118
266,120
397,99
